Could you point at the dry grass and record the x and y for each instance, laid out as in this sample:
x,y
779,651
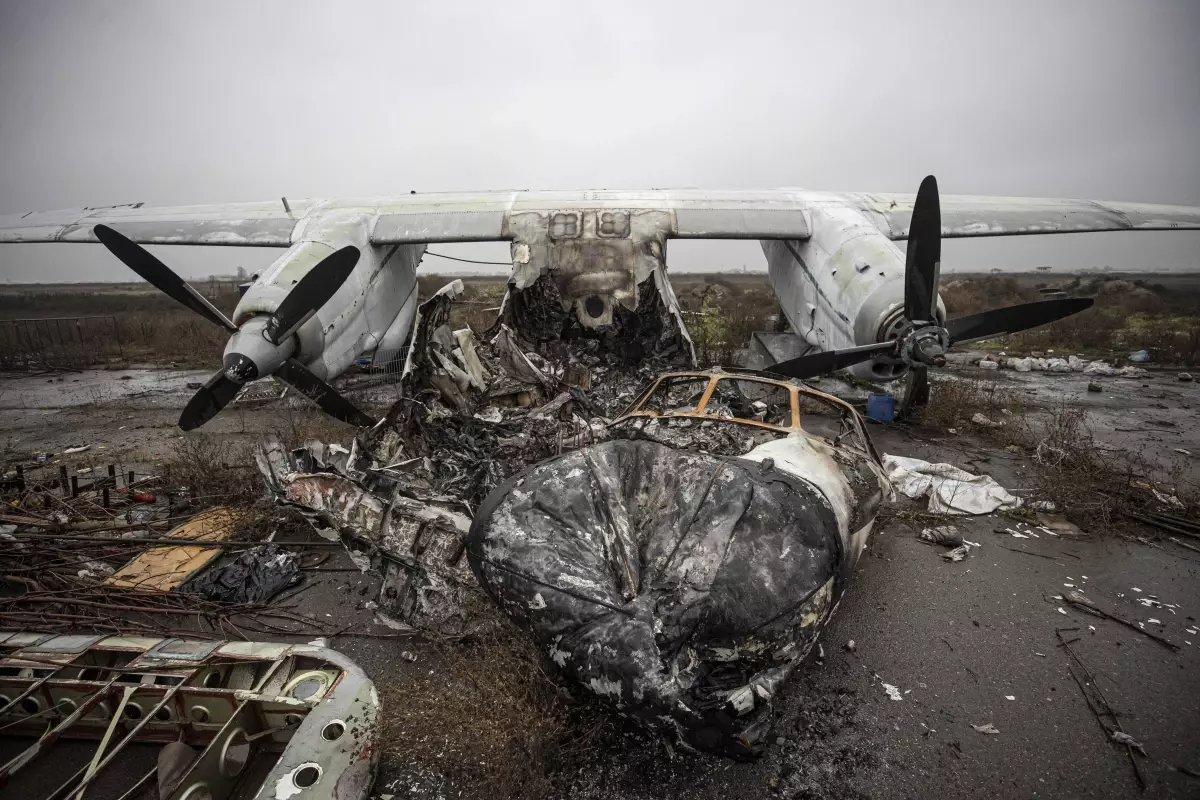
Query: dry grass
x,y
722,314
487,722
213,469
1128,315
1090,483
149,326
953,402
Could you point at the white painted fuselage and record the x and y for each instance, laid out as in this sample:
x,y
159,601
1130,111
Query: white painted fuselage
x,y
843,286
371,312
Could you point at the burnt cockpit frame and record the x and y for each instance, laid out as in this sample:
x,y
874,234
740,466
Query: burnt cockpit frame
x,y
715,381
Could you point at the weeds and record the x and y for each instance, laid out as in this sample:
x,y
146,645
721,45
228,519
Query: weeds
x,y
213,470
953,402
1091,484
488,722
721,317
1128,315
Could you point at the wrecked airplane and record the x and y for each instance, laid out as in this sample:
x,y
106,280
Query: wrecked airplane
x,y
677,558
213,720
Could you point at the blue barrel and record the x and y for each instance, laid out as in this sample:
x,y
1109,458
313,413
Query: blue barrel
x,y
881,407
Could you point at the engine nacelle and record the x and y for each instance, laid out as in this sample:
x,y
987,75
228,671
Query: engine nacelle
x,y
328,342
843,286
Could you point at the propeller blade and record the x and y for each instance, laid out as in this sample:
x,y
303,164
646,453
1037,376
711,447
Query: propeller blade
x,y
210,398
138,259
312,292
301,378
830,360
1010,319
923,259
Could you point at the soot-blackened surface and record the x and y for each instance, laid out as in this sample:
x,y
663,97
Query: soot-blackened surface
x,y
663,580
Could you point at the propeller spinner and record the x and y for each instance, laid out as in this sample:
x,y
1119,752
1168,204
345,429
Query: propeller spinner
x,y
263,344
923,342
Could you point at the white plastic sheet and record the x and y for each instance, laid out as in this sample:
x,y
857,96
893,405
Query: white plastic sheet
x,y
951,490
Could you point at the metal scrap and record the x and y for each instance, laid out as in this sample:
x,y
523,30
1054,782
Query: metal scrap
x,y
302,713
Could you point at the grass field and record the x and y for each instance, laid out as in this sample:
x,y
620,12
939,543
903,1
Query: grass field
x,y
1158,313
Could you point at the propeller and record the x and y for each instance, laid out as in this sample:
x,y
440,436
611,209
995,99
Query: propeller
x,y
324,395
210,398
159,275
304,300
923,342
313,291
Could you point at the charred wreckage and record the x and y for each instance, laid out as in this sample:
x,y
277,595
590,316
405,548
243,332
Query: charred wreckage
x,y
673,540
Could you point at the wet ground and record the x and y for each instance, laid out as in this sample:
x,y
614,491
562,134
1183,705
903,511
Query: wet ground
x,y
957,640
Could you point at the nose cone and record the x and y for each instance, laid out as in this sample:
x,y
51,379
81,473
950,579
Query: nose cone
x,y
249,356
240,368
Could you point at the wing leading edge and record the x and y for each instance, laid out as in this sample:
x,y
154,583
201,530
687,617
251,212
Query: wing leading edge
x,y
485,216
967,216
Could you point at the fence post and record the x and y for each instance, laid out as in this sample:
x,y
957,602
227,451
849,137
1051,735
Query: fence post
x,y
117,338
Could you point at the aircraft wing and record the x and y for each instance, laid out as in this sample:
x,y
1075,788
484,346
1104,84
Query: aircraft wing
x,y
486,216
428,218
966,215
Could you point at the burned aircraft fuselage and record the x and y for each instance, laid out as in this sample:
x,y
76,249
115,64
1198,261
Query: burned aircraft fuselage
x,y
683,576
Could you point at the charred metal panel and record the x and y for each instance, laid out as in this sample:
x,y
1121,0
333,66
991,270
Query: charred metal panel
x,y
596,257
680,588
213,706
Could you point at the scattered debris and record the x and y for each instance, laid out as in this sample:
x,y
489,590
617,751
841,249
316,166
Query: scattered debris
x,y
987,728
164,568
892,691
1171,523
951,490
255,576
1186,377
1084,604
1098,704
982,421
957,554
942,534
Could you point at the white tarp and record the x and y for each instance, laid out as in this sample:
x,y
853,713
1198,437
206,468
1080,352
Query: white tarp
x,y
951,490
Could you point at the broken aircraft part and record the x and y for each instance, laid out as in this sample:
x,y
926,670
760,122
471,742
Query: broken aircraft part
x,y
684,587
230,719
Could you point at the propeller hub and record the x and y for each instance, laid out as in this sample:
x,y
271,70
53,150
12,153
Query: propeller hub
x,y
924,345
250,355
239,368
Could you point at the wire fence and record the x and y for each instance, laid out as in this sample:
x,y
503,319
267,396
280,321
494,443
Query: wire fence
x,y
58,342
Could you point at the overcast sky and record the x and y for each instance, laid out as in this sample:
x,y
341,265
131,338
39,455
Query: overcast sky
x,y
195,102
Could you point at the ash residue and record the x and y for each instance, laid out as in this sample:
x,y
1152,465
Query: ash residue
x,y
821,753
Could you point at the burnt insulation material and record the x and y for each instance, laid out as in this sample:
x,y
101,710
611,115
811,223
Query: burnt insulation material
x,y
683,588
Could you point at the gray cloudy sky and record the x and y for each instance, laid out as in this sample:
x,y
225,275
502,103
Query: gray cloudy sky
x,y
194,102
